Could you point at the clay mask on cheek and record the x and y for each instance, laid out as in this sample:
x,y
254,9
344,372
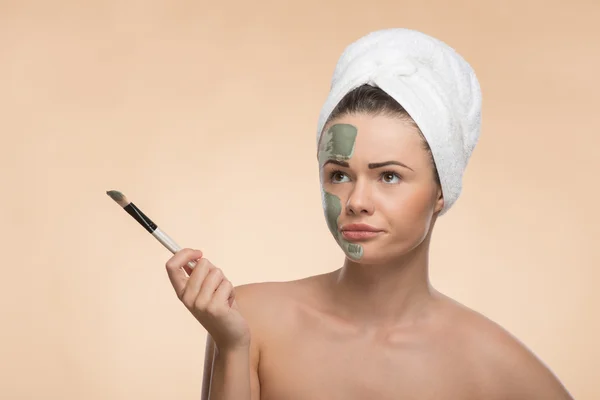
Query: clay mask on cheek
x,y
337,143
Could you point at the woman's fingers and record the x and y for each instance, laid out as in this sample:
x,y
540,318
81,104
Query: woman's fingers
x,y
208,289
177,275
195,282
224,295
209,296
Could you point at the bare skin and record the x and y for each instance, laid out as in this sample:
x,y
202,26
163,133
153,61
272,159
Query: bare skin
x,y
311,351
374,328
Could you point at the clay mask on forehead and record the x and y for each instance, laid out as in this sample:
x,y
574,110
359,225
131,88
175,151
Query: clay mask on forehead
x,y
337,143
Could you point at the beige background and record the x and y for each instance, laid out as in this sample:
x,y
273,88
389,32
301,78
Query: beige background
x,y
204,116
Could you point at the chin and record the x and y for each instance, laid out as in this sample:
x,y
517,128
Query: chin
x,y
376,253
371,254
376,260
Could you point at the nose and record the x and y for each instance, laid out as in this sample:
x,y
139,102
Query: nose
x,y
360,200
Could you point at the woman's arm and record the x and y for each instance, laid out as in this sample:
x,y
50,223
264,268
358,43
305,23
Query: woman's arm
x,y
209,354
230,374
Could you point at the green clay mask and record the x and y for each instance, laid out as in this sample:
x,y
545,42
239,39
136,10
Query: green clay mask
x,y
337,143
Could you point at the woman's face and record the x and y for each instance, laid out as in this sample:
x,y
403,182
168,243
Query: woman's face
x,y
376,176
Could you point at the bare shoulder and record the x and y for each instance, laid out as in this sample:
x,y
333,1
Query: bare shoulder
x,y
507,366
270,306
263,298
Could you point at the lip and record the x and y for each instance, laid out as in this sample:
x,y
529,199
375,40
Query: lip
x,y
359,227
358,232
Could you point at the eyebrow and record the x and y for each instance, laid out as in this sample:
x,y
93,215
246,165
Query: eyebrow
x,y
371,165
386,163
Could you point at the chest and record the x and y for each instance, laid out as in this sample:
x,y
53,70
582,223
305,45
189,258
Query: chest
x,y
344,367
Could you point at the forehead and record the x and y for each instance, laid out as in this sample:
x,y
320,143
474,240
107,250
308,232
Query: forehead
x,y
373,138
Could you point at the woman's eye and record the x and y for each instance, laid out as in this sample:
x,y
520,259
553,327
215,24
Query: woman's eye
x,y
390,177
337,177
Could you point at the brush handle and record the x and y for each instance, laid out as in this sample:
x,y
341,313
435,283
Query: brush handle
x,y
170,244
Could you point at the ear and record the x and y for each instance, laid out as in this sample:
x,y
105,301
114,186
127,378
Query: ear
x,y
439,204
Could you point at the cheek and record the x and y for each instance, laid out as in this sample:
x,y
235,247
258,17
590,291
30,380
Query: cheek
x,y
332,208
411,211
338,190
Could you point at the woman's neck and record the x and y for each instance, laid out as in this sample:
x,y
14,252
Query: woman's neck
x,y
391,294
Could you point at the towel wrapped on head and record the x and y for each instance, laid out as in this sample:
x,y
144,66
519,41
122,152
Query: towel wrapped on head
x,y
433,83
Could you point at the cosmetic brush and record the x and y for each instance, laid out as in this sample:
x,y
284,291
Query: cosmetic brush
x,y
146,222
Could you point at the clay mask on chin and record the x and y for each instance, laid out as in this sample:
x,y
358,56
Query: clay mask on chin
x,y
337,143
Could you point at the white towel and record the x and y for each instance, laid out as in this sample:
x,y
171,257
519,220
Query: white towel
x,y
435,85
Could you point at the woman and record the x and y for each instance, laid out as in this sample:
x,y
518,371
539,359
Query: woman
x,y
394,138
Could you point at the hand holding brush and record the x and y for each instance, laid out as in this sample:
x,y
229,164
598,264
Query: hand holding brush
x,y
201,287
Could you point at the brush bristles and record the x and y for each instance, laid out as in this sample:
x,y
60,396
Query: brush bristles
x,y
118,197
